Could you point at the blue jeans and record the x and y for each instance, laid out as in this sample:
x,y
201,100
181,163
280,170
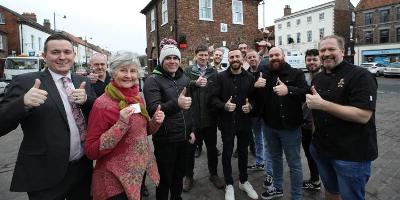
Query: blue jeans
x,y
289,142
262,153
347,178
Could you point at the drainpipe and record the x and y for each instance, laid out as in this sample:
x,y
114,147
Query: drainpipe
x,y
22,39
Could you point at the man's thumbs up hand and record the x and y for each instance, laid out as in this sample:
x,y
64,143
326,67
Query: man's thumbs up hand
x,y
201,81
183,101
314,100
280,89
79,94
261,82
246,108
35,96
229,106
159,115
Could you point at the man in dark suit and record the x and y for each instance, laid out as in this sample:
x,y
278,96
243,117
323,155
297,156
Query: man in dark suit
x,y
49,105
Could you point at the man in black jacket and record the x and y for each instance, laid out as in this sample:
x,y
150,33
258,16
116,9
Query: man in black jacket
x,y
231,97
167,87
202,76
284,90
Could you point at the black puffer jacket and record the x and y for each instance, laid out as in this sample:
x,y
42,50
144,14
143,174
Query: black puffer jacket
x,y
162,89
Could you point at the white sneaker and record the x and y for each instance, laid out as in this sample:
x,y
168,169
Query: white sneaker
x,y
229,193
246,187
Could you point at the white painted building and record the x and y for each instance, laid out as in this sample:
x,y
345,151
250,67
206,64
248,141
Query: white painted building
x,y
32,40
305,27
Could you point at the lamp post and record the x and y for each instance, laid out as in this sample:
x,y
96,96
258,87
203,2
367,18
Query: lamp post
x,y
263,4
54,20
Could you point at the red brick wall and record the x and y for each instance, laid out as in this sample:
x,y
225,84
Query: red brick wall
x,y
10,28
205,32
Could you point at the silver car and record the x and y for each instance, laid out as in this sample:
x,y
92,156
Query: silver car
x,y
374,68
393,69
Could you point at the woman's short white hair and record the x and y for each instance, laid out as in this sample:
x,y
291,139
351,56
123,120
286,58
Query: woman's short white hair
x,y
123,58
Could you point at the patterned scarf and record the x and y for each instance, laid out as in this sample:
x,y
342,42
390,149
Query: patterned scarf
x,y
126,96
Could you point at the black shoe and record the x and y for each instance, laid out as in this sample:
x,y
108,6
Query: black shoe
x,y
268,181
198,152
272,194
255,167
313,185
144,191
235,155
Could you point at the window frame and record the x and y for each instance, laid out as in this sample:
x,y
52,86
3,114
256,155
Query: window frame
x,y
323,33
279,26
152,20
2,19
370,39
240,12
298,39
309,19
398,34
164,12
33,42
1,42
280,40
288,24
370,14
321,18
206,8
298,22
381,17
380,36
309,36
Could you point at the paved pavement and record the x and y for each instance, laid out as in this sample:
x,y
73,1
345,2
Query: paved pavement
x,y
384,183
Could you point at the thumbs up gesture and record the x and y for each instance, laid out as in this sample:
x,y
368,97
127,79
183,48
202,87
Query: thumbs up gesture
x,y
261,82
159,115
35,96
280,89
183,101
93,77
314,100
201,81
79,94
229,106
246,107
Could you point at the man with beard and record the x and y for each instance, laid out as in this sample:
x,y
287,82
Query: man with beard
x,y
243,49
232,96
283,93
99,76
343,104
313,65
217,60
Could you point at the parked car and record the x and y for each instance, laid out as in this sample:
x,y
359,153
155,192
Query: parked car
x,y
393,69
2,87
374,68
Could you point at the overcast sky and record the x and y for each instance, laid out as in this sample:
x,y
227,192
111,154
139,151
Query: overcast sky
x,y
118,24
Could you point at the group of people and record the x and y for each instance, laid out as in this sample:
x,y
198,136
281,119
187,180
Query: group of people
x,y
69,120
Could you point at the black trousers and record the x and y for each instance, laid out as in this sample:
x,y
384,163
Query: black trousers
x,y
242,144
209,135
75,185
306,141
171,165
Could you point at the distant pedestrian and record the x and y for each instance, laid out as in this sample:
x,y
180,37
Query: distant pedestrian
x,y
343,103
99,77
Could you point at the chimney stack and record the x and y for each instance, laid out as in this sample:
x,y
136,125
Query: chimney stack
x,y
46,24
287,10
31,16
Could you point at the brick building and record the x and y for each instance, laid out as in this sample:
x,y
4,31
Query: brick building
x,y
217,23
377,31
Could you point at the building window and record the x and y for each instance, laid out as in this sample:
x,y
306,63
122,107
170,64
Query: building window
x,y
40,43
368,37
280,40
321,16
2,19
32,41
164,10
298,38
384,36
289,39
205,10
153,20
298,22
1,42
288,24
309,36
237,12
309,19
384,16
368,18
321,33
398,34
398,13
279,26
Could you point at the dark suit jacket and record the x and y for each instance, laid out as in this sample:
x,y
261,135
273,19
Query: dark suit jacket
x,y
43,156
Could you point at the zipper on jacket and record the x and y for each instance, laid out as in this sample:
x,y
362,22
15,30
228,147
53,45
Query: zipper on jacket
x,y
183,115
